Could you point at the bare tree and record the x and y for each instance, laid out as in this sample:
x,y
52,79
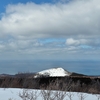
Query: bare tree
x,y
60,95
11,99
81,95
47,94
70,95
29,95
98,96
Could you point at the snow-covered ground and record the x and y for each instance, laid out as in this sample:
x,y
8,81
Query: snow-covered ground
x,y
53,72
13,93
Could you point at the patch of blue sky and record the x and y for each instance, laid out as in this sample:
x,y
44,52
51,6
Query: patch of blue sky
x,y
50,40
4,3
43,1
86,46
50,1
1,14
55,42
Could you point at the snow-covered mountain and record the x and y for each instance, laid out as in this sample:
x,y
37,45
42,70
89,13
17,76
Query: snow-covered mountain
x,y
53,72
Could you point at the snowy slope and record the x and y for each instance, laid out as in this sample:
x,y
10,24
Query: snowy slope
x,y
54,72
13,93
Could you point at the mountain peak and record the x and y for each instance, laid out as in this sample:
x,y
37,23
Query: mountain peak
x,y
53,72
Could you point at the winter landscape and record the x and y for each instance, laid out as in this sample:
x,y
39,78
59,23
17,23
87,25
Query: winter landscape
x,y
55,89
50,50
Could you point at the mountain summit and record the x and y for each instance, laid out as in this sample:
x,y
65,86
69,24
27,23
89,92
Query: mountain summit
x,y
53,72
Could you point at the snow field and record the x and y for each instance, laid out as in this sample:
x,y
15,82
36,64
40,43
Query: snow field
x,y
13,94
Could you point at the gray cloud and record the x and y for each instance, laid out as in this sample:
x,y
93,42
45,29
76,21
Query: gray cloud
x,y
77,21
34,48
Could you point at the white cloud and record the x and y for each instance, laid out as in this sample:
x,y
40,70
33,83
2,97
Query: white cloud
x,y
78,18
1,47
71,41
87,42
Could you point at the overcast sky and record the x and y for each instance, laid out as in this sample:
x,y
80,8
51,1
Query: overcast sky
x,y
53,29
50,29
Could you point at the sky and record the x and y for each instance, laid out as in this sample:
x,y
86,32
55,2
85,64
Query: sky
x,y
66,30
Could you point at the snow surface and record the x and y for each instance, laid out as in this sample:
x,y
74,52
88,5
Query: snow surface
x,y
54,72
13,93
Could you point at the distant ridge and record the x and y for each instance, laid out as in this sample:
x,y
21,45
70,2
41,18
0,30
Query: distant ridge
x,y
53,72
77,74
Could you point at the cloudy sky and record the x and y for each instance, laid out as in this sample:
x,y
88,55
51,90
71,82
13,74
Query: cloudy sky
x,y
50,30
